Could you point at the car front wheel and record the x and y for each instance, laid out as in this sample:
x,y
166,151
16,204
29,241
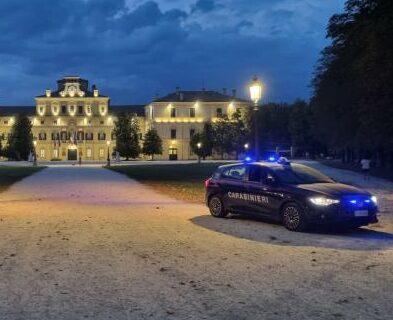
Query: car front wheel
x,y
293,217
216,207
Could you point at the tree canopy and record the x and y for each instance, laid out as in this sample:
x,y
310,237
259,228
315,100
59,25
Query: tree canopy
x,y
20,141
353,95
127,136
152,144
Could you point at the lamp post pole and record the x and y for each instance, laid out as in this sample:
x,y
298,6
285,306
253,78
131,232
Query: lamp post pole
x,y
256,128
35,153
199,146
108,159
256,95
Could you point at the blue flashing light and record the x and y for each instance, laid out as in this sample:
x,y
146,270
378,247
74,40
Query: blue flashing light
x,y
367,201
353,201
272,159
247,159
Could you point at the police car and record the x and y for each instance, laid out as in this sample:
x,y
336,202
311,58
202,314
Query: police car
x,y
294,194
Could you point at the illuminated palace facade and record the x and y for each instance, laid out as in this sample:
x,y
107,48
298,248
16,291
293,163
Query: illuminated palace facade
x,y
76,121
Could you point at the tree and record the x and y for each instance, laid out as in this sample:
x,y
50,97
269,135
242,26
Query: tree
x,y
152,144
223,135
239,132
127,136
20,141
352,85
206,138
301,126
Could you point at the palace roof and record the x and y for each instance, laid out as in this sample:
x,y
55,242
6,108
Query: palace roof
x,y
202,95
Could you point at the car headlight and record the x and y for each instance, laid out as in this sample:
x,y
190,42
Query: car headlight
x,y
321,201
374,199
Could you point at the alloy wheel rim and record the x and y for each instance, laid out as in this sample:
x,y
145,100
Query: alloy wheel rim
x,y
292,217
215,206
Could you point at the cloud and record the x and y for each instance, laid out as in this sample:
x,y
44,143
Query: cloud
x,y
134,49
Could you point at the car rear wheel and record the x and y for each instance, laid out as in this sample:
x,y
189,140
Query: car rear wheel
x,y
293,217
216,207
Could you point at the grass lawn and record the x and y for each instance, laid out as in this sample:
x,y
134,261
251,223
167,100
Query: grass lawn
x,y
10,175
181,181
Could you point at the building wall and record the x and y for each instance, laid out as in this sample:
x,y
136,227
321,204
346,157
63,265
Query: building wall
x,y
160,115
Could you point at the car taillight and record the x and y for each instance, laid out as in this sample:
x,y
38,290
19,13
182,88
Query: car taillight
x,y
207,182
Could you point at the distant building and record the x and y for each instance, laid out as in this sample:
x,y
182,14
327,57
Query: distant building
x,y
77,121
180,114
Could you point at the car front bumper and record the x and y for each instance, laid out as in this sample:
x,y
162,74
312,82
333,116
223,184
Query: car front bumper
x,y
338,214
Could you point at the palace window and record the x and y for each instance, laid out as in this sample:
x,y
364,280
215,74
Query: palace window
x,y
5,121
80,135
101,136
192,112
55,122
102,122
42,153
219,113
80,109
63,136
63,109
173,133
88,152
42,136
55,153
173,112
55,136
102,152
89,136
192,133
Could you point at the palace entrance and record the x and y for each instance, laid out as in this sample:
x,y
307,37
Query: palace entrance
x,y
72,154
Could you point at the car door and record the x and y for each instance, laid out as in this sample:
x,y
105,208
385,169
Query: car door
x,y
233,188
264,192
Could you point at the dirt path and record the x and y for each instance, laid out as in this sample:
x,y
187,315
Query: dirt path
x,y
80,243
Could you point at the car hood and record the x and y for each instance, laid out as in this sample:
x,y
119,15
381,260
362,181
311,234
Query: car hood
x,y
333,189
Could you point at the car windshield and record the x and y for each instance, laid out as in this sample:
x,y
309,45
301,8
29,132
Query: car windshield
x,y
299,174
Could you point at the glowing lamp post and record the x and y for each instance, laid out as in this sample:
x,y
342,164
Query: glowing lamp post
x,y
108,159
199,146
35,153
256,87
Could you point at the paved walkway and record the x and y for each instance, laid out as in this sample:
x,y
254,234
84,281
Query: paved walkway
x,y
89,185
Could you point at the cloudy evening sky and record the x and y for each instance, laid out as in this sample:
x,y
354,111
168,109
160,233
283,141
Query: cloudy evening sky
x,y
133,49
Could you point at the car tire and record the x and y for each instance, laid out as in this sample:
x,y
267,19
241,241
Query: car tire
x,y
293,217
216,207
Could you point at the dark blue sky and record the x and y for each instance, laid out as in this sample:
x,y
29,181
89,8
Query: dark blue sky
x,y
133,49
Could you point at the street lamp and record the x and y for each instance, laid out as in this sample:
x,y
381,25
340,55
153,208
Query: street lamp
x,y
246,146
199,146
108,159
256,87
35,153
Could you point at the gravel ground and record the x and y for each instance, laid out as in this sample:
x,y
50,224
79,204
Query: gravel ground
x,y
80,243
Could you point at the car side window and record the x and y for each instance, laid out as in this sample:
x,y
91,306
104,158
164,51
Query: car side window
x,y
257,174
236,173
